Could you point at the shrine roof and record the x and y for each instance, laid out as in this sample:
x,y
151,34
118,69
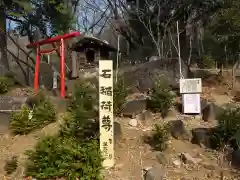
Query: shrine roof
x,y
83,42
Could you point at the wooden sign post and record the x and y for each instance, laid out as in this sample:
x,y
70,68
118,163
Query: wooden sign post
x,y
106,112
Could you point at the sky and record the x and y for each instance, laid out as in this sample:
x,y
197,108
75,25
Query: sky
x,y
10,24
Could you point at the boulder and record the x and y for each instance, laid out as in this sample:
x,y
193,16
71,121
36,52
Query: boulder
x,y
208,113
145,117
155,173
162,158
142,74
201,137
117,131
203,103
145,84
11,102
178,130
8,104
188,159
133,122
46,73
235,158
134,107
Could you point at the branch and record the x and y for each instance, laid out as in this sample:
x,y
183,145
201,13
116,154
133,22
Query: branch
x,y
14,19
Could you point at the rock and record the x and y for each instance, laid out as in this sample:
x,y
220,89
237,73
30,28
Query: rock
x,y
197,117
201,137
177,163
168,68
172,113
133,122
155,173
134,89
162,158
208,113
11,102
145,117
188,159
178,131
235,158
187,178
117,131
134,107
203,103
208,166
145,84
7,105
141,97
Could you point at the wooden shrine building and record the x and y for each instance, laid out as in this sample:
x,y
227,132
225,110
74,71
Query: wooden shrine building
x,y
87,51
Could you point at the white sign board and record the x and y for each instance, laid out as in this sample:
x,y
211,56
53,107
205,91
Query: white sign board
x,y
191,103
191,85
106,111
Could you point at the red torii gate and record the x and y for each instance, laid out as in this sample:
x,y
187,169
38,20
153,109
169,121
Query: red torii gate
x,y
37,45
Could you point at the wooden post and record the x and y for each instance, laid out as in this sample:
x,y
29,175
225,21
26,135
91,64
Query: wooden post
x,y
106,112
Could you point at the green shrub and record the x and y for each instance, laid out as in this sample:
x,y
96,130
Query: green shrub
x,y
83,108
74,152
159,137
36,99
12,78
208,61
80,125
20,121
11,165
5,84
28,119
227,131
119,95
161,99
84,97
56,157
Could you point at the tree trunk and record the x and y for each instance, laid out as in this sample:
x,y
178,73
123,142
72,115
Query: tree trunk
x,y
184,45
3,39
183,41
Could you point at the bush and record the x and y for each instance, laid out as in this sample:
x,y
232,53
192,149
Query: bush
x,y
161,99
11,165
227,131
84,97
74,152
39,115
56,157
83,120
208,61
5,84
80,125
36,99
119,95
159,137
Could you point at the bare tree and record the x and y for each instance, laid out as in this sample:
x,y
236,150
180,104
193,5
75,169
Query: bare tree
x,y
91,16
